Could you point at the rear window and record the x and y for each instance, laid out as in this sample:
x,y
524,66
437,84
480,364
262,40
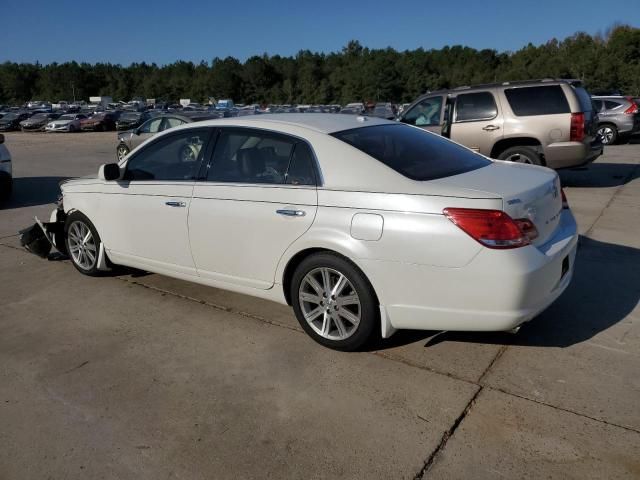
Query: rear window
x,y
412,152
528,101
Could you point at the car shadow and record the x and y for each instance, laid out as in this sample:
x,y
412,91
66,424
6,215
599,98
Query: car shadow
x,y
605,289
33,191
599,175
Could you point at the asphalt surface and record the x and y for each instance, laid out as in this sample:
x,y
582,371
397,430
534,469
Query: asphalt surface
x,y
140,376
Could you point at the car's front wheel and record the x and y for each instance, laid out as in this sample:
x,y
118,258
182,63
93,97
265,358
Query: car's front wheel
x,y
83,244
334,302
121,151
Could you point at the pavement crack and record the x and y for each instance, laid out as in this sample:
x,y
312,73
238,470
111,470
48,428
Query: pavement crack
x,y
503,349
210,304
630,176
561,409
77,367
446,436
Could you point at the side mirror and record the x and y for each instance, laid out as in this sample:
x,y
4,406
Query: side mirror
x,y
109,171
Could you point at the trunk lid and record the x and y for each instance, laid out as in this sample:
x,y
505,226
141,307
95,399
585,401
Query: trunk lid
x,y
527,192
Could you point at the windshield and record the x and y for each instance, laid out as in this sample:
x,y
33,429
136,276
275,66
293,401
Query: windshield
x,y
38,116
412,152
68,117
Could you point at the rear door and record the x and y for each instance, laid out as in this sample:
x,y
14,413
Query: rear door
x,y
257,196
428,114
477,121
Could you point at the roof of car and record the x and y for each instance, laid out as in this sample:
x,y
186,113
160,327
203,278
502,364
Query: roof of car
x,y
319,122
518,83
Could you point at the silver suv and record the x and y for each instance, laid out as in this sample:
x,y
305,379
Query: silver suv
x,y
542,122
618,118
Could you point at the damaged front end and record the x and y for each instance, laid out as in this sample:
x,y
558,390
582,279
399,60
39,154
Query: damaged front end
x,y
41,237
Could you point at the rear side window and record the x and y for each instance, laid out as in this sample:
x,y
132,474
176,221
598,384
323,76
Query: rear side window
x,y
610,105
301,168
412,152
250,156
475,106
547,100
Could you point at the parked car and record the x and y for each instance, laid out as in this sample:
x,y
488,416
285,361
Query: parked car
x,y
6,178
129,120
37,122
100,122
130,139
618,118
69,122
11,121
331,214
383,110
541,122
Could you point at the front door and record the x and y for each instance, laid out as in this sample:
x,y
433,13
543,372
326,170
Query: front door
x,y
477,121
428,114
149,207
258,197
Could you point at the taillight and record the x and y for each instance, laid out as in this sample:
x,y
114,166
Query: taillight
x,y
577,127
492,228
565,202
633,108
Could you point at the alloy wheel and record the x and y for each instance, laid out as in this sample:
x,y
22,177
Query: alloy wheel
x,y
82,245
519,158
122,152
330,303
606,134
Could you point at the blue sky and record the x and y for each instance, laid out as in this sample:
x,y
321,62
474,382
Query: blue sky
x,y
164,31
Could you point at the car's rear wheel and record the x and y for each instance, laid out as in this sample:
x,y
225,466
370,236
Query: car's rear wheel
x,y
608,134
83,244
521,155
334,302
121,151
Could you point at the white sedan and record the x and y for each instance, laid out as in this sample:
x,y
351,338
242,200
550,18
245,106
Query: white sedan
x,y
363,225
69,122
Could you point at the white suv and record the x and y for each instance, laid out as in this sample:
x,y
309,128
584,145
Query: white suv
x,y
6,180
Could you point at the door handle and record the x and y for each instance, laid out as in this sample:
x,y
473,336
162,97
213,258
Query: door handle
x,y
291,213
175,204
490,128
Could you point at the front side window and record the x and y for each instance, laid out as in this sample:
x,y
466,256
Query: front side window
x,y
174,157
545,100
251,156
426,113
152,126
412,152
171,122
475,106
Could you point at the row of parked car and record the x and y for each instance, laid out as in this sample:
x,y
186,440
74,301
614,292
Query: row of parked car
x,y
548,122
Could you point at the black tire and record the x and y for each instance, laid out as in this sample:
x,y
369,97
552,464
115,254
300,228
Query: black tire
x,y
77,217
608,133
521,155
368,305
121,149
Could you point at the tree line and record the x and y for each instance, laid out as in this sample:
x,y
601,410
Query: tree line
x,y
609,61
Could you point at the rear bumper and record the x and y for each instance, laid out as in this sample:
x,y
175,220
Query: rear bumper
x,y
572,154
498,290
